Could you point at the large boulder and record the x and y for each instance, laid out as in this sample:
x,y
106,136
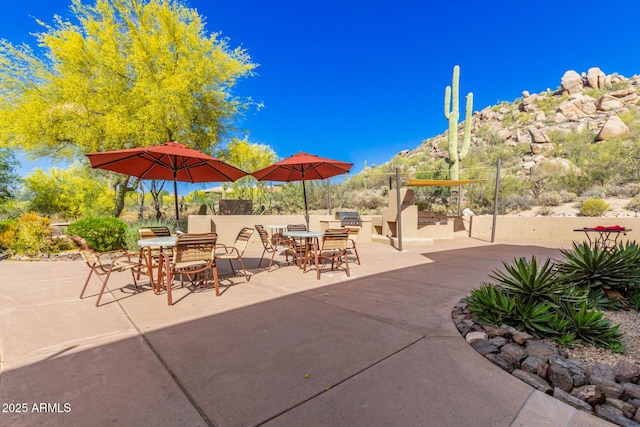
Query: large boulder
x,y
538,136
578,106
541,148
595,78
572,82
608,103
614,127
528,102
627,96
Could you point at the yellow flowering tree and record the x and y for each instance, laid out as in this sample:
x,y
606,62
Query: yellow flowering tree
x,y
125,73
249,157
70,193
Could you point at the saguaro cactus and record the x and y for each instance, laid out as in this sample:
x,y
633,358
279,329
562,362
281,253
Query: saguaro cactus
x,y
452,113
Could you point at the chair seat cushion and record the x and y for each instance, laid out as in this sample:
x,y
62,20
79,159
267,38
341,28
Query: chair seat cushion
x,y
185,265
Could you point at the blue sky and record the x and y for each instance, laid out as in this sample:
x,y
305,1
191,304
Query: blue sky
x,y
362,80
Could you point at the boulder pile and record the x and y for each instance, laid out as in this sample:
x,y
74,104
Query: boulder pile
x,y
584,102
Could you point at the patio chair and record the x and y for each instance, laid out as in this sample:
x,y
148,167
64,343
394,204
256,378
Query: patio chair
x,y
105,263
148,232
236,251
274,245
333,246
193,257
297,247
351,242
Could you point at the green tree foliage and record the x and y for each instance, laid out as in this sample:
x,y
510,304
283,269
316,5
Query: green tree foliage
x,y
69,193
250,157
8,178
126,73
102,233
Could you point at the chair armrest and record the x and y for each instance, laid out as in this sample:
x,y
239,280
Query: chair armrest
x,y
227,249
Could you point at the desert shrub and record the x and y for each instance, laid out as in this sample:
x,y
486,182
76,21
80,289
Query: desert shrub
x,y
593,207
103,233
7,224
552,198
622,189
631,189
515,203
29,234
12,209
367,200
549,104
568,196
634,204
595,192
545,211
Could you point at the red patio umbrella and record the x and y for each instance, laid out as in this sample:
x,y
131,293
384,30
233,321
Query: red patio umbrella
x,y
170,161
302,167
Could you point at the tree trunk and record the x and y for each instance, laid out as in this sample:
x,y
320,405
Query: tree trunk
x,y
141,204
155,193
121,184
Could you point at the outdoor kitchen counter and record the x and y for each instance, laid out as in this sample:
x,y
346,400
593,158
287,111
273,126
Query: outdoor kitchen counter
x,y
365,232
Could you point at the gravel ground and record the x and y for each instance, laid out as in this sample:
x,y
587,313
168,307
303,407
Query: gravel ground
x,y
629,322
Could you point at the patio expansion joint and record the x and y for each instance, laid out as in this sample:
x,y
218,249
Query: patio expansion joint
x,y
342,381
165,365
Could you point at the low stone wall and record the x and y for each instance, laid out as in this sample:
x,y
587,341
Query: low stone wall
x,y
609,392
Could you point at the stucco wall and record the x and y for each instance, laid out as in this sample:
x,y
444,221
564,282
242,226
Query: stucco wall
x,y
546,228
228,226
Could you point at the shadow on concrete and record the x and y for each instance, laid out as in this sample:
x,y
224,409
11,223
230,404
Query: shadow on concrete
x,y
376,350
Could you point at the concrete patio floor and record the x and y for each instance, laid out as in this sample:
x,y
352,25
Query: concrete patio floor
x,y
284,349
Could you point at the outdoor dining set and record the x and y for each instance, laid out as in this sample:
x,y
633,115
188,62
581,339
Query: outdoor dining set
x,y
193,258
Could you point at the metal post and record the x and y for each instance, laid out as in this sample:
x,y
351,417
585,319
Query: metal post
x,y
399,207
459,197
329,193
495,203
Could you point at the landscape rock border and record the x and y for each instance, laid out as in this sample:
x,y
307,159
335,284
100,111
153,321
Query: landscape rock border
x,y
608,392
60,256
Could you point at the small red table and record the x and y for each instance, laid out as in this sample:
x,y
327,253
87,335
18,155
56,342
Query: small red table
x,y
605,238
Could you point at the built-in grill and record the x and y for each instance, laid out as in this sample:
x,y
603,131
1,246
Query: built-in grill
x,y
349,219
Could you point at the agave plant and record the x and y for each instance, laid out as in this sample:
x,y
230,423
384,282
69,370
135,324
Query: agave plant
x,y
530,282
562,327
533,317
490,304
591,326
593,268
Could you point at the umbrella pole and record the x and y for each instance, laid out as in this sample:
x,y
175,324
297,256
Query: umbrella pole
x,y
306,209
175,193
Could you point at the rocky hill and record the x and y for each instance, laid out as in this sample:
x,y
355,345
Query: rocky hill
x,y
550,136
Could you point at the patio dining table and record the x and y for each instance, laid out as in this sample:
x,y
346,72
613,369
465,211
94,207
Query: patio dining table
x,y
276,232
306,239
147,245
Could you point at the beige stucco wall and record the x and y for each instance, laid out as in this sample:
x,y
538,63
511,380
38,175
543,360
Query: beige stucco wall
x,y
479,227
546,228
228,226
